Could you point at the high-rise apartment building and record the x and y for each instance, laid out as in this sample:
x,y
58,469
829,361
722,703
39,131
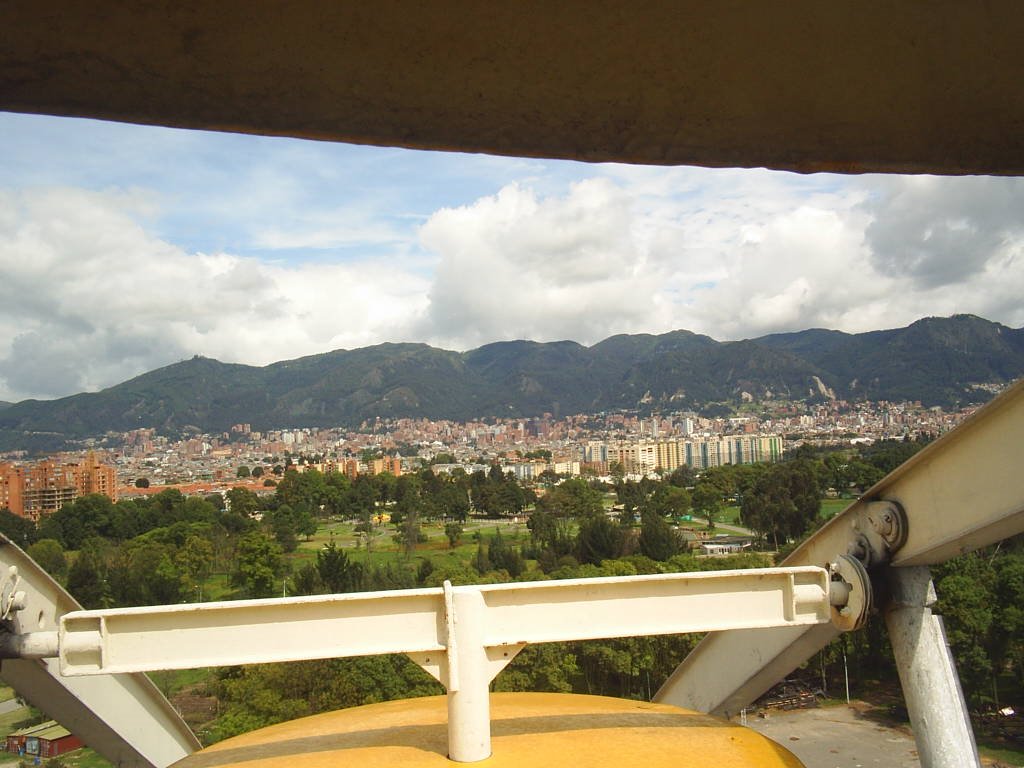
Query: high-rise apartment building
x,y
700,453
34,490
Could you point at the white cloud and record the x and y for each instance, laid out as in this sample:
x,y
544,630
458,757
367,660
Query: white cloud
x,y
88,298
514,265
732,254
941,231
96,286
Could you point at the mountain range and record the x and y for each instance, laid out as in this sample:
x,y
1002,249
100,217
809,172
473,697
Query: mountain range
x,y
935,360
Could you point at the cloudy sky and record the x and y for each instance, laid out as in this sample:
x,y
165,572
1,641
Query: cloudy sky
x,y
124,248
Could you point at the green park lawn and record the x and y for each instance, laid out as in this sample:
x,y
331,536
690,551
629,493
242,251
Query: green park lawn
x,y
832,507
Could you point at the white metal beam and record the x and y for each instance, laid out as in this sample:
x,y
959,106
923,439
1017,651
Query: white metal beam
x,y
148,638
463,636
123,717
964,491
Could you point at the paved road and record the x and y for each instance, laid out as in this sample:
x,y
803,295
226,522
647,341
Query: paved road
x,y
839,737
734,529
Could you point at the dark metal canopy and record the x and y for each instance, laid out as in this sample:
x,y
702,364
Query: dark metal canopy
x,y
804,85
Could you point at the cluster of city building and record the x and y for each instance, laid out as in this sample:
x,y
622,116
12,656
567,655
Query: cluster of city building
x,y
39,488
596,444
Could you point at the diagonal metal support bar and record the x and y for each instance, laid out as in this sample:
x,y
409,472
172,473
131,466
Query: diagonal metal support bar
x,y
964,491
123,717
931,688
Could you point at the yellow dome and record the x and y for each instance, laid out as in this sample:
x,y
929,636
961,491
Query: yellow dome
x,y
527,729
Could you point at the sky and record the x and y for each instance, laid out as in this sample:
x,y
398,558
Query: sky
x,y
124,248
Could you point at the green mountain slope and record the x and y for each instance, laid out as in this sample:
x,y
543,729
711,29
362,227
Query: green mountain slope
x,y
935,360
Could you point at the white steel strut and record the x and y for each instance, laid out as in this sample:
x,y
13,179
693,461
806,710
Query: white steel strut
x,y
463,636
123,717
964,491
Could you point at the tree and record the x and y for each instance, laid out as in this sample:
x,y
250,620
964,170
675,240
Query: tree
x,y
142,482
87,517
631,496
257,564
683,477
707,501
337,572
362,497
966,589
550,532
146,575
282,524
216,500
306,581
454,501
598,539
481,562
87,578
454,532
257,471
243,471
784,502
504,557
49,554
242,501
1007,637
305,523
20,530
669,501
195,560
573,498
547,667
384,483
409,535
658,540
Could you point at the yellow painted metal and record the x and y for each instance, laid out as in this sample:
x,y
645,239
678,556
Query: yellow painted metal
x,y
528,729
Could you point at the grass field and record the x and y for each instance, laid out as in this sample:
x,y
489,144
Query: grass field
x,y
832,507
18,718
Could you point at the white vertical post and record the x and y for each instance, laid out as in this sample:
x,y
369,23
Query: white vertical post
x,y
846,674
931,688
469,707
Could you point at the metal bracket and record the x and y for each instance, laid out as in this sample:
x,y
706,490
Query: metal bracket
x,y
879,530
850,593
12,599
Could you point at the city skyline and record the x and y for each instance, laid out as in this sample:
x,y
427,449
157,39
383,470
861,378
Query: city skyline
x,y
125,248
